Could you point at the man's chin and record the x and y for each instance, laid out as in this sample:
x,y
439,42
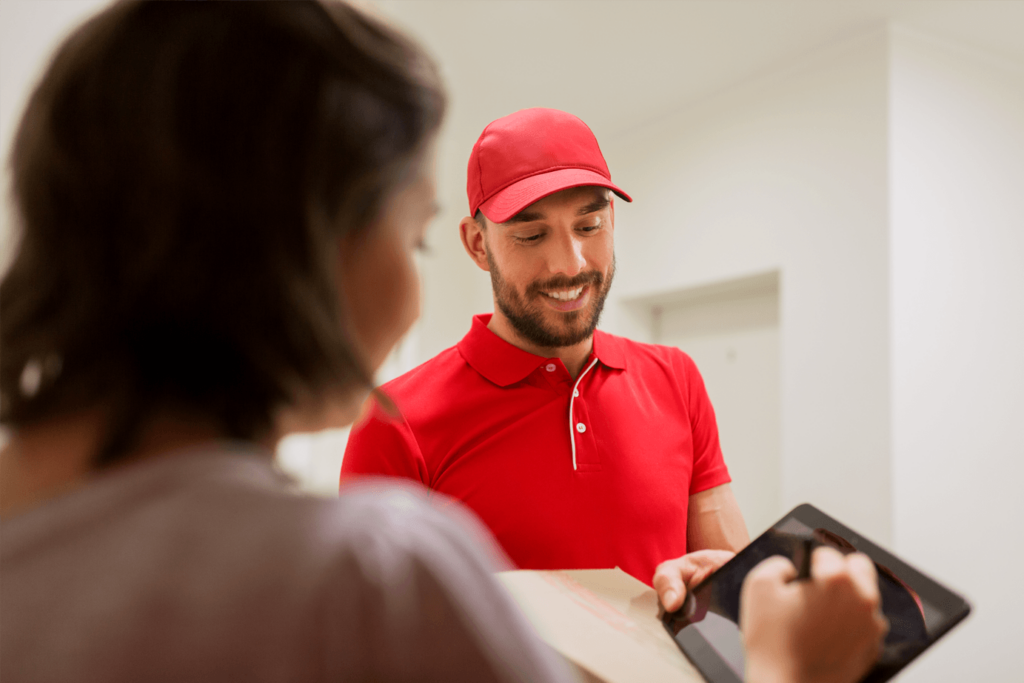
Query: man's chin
x,y
544,326
568,328
562,321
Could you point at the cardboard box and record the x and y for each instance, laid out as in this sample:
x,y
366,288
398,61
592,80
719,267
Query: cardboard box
x,y
603,621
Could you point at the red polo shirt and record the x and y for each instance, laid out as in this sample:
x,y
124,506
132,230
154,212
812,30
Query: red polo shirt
x,y
490,425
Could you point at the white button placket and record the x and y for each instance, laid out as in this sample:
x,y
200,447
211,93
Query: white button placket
x,y
573,425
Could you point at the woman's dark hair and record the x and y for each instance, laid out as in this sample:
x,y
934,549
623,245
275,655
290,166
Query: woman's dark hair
x,y
182,175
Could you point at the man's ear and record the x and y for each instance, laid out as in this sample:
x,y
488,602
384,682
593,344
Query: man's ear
x,y
474,240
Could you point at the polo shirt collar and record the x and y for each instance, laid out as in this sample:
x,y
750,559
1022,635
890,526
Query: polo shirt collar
x,y
608,349
505,364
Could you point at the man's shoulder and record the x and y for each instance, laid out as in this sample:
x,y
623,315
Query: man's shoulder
x,y
647,353
445,375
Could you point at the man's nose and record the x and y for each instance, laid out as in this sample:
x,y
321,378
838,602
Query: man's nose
x,y
567,256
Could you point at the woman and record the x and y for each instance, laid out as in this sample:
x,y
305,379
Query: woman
x,y
219,206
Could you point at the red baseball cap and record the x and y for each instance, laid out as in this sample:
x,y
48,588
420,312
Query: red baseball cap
x,y
524,157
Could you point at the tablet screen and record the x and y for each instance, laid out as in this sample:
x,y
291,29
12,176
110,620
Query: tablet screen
x,y
919,610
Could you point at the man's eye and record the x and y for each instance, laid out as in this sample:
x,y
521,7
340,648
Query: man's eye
x,y
588,228
528,238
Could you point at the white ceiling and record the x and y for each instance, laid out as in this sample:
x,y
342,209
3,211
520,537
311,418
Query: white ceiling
x,y
616,63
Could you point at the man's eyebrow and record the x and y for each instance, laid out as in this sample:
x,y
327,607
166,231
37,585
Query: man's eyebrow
x,y
525,217
594,206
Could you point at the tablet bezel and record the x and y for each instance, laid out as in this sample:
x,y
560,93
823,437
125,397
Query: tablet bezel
x,y
951,605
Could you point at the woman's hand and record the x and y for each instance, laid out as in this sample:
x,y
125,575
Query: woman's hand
x,y
827,629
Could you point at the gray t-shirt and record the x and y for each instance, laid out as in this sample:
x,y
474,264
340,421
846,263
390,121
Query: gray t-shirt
x,y
206,565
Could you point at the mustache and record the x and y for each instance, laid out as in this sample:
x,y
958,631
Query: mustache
x,y
562,282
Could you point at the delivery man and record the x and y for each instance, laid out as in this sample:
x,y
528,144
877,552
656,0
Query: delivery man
x,y
577,448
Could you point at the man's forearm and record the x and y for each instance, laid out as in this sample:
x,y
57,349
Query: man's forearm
x,y
715,521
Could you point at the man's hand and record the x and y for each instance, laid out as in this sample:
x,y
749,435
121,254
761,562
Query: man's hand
x,y
674,577
828,629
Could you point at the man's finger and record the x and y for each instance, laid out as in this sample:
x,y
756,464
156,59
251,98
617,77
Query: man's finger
x,y
668,581
698,576
703,563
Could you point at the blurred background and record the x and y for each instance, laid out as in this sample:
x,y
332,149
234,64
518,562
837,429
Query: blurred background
x,y
828,216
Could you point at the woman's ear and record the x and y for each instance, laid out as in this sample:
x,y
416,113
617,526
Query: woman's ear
x,y
474,239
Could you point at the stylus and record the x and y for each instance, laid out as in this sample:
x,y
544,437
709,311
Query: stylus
x,y
804,570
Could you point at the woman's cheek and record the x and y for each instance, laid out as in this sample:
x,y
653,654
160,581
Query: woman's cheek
x,y
396,301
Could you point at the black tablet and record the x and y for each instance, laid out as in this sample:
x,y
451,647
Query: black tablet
x,y
919,609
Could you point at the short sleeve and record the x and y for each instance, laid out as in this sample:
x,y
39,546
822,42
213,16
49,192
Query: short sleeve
x,y
414,599
709,468
383,445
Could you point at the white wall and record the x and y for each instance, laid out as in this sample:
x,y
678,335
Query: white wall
x,y
957,271
733,337
787,173
885,180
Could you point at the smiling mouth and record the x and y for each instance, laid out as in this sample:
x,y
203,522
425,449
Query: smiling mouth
x,y
566,295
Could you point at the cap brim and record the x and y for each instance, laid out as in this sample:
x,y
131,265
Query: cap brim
x,y
519,195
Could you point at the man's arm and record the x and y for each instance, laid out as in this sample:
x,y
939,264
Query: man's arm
x,y
383,445
714,521
715,531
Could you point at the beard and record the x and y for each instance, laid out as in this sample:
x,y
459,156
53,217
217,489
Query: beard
x,y
526,314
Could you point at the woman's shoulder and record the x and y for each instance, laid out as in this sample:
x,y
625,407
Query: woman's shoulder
x,y
379,579
387,520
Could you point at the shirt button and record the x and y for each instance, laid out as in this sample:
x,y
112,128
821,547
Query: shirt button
x,y
576,393
580,427
550,367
